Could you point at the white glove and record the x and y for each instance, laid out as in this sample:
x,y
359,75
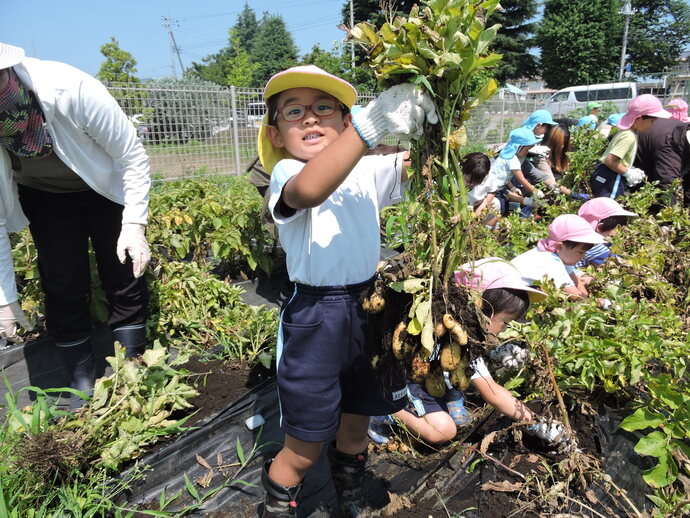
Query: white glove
x,y
132,241
400,110
634,176
553,433
605,304
10,315
509,356
538,194
531,202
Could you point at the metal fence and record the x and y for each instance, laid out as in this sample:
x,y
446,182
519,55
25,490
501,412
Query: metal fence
x,y
200,130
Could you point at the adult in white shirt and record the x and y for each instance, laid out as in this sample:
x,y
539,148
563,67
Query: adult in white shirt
x,y
73,168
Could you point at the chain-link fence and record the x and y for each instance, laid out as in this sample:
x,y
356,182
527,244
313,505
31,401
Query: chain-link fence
x,y
197,130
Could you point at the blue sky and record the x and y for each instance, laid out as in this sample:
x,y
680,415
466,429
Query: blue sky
x,y
72,31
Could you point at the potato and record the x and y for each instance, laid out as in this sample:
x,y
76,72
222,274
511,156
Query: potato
x,y
398,343
458,334
439,329
459,378
374,303
450,356
419,369
435,384
449,321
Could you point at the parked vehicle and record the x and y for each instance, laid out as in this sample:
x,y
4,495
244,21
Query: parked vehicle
x,y
573,97
255,114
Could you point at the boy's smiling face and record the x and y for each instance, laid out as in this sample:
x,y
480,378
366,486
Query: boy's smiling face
x,y
306,138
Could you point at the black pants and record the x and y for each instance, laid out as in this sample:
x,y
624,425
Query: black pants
x,y
61,225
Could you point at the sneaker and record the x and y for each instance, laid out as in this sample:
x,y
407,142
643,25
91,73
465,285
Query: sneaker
x,y
380,428
456,408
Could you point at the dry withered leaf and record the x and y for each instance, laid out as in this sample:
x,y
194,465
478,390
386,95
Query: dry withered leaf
x,y
219,459
202,461
591,496
504,486
486,442
397,503
205,480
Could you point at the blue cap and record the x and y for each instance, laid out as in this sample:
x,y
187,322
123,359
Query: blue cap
x,y
587,121
518,137
614,118
539,117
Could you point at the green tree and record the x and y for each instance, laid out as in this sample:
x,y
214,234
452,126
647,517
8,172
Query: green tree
x,y
219,67
514,40
119,65
240,68
274,49
333,62
659,32
579,42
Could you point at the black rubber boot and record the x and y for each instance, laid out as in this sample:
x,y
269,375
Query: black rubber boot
x,y
347,472
81,368
132,338
279,501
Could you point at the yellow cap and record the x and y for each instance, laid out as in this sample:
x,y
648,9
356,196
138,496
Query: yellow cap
x,y
307,76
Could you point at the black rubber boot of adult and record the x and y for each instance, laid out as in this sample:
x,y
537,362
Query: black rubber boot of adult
x,y
279,501
133,339
347,472
81,369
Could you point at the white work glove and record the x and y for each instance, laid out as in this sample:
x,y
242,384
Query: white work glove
x,y
10,315
132,241
400,110
553,433
634,176
531,202
605,304
538,194
510,356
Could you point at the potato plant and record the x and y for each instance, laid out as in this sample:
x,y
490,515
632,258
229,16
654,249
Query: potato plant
x,y
443,46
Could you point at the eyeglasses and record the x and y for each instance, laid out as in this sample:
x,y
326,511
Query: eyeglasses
x,y
323,108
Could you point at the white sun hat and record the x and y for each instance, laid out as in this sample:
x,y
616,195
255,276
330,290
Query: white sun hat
x,y
10,55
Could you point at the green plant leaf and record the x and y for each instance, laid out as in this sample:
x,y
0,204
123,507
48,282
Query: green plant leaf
x,y
190,488
641,419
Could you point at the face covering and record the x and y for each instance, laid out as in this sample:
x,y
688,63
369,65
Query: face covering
x,y
22,123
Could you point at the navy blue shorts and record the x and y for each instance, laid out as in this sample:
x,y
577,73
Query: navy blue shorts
x,y
431,403
324,353
606,183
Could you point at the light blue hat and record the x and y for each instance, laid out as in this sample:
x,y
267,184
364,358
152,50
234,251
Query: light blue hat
x,y
614,118
587,121
539,117
518,137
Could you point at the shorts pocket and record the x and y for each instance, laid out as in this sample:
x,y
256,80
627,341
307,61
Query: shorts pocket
x,y
299,315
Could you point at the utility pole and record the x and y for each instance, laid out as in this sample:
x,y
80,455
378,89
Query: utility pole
x,y
174,49
352,42
627,12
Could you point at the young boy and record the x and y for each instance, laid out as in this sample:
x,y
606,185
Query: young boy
x,y
325,202
617,160
570,237
605,216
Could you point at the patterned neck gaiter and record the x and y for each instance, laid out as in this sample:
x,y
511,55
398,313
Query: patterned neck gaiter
x,y
22,123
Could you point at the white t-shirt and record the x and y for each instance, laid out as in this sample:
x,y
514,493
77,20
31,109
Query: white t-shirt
x,y
479,192
338,242
502,170
536,264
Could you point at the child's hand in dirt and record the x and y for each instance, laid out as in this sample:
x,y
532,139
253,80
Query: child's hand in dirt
x,y
510,356
400,110
553,432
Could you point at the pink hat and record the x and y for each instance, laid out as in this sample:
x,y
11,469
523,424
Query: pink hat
x,y
679,110
645,104
494,272
597,209
569,227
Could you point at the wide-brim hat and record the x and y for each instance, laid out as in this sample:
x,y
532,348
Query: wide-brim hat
x,y
645,104
596,209
307,76
10,55
518,137
569,227
539,117
494,272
